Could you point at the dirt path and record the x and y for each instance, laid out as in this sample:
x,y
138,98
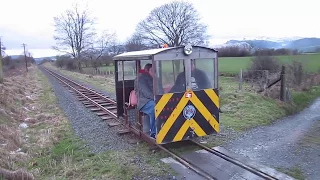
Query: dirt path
x,y
292,143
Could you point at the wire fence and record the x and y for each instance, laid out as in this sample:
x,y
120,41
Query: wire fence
x,y
93,71
262,81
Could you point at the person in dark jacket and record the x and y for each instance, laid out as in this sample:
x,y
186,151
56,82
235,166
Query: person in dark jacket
x,y
144,92
199,80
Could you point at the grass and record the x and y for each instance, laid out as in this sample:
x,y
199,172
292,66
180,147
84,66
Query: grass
x,y
245,110
50,150
67,158
302,99
234,64
294,172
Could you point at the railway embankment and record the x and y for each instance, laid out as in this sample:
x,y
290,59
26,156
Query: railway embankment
x,y
46,133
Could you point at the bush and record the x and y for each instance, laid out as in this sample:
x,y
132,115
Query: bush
x,y
71,65
296,72
262,63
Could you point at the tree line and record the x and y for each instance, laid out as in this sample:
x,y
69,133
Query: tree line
x,y
175,23
238,51
9,63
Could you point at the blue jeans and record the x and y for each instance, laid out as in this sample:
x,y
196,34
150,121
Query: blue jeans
x,y
149,110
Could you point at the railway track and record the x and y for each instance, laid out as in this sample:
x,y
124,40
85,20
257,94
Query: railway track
x,y
106,108
103,106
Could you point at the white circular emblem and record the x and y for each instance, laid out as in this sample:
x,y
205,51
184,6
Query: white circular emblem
x,y
189,112
187,49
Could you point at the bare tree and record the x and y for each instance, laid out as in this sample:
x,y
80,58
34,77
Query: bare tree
x,y
74,32
176,23
103,42
135,43
115,47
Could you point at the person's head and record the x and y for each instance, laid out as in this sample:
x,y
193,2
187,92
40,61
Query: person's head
x,y
148,69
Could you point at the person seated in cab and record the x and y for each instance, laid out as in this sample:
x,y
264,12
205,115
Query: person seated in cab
x,y
199,80
144,92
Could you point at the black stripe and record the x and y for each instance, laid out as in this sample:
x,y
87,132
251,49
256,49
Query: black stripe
x,y
189,134
203,123
168,108
174,128
216,91
208,103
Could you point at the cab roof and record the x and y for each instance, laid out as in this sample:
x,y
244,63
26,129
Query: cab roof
x,y
147,54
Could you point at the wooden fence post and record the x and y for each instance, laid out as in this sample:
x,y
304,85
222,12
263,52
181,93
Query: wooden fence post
x,y
283,84
240,80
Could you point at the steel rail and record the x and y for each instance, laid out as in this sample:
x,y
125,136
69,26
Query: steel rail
x,y
89,99
236,162
83,87
187,164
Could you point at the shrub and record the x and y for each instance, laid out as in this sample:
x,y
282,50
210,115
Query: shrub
x,y
71,65
262,63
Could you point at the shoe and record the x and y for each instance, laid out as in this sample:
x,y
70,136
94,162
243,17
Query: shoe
x,y
153,136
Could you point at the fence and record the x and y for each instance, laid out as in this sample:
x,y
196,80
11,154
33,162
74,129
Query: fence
x,y
93,71
255,79
129,73
262,80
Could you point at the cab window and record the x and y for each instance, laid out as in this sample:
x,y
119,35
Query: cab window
x,y
129,70
202,73
171,76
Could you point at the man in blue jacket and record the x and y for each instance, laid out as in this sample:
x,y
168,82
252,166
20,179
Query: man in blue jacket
x,y
144,92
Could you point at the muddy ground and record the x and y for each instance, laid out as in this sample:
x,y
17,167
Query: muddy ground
x,y
291,144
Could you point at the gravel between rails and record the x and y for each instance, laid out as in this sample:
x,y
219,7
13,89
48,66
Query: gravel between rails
x,y
86,124
111,95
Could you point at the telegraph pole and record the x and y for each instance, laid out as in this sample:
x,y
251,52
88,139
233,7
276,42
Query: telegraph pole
x,y
1,70
25,56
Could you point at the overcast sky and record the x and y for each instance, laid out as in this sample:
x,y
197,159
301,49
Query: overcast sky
x,y
31,21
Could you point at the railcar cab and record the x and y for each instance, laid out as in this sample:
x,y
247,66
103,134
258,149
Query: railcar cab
x,y
185,86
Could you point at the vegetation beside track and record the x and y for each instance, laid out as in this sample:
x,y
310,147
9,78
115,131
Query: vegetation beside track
x,y
241,110
48,146
234,64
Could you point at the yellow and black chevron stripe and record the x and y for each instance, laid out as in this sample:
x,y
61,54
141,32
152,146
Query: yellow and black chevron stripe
x,y
172,126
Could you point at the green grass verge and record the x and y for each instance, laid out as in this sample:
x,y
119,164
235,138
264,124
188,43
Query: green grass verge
x,y
302,99
245,110
294,172
68,158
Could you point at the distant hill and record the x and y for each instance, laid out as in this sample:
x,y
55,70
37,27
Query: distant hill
x,y
303,44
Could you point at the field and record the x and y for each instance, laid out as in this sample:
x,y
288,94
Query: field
x,y
235,64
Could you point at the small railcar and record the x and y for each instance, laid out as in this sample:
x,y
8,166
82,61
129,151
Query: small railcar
x,y
185,87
